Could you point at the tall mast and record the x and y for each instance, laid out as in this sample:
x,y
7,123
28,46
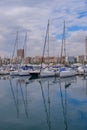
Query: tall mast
x,y
25,41
64,41
47,36
48,42
63,47
16,45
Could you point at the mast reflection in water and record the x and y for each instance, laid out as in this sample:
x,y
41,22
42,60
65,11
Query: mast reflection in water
x,y
19,87
43,104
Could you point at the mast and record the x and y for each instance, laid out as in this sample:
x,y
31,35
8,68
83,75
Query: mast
x,y
16,45
47,36
63,47
24,46
64,40
48,43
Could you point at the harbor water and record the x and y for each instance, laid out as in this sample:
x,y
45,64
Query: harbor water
x,y
43,104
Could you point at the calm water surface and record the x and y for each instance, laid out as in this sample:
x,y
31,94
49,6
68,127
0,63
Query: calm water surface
x,y
43,104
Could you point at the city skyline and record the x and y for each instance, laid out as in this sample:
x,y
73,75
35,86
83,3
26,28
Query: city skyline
x,y
32,17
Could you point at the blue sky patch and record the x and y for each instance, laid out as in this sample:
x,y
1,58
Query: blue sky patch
x,y
59,36
77,28
82,14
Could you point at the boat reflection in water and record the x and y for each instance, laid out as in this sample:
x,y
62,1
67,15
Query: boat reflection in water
x,y
4,77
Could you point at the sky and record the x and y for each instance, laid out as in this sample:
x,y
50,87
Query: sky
x,y
32,16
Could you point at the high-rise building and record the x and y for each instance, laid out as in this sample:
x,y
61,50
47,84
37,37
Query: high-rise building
x,y
20,53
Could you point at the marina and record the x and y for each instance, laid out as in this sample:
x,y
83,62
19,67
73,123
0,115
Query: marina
x,y
43,65
39,71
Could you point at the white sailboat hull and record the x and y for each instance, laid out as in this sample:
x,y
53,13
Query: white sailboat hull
x,y
49,73
4,72
14,73
67,73
19,73
24,73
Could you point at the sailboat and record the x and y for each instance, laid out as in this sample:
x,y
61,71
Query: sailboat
x,y
25,71
20,71
4,71
65,71
14,70
48,71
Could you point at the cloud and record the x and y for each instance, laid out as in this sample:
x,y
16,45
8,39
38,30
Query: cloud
x,y
32,16
76,43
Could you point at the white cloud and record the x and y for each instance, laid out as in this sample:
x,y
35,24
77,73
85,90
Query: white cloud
x,y
33,16
76,43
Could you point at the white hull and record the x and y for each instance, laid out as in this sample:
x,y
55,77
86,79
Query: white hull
x,y
14,73
24,73
19,73
82,70
4,72
67,73
49,73
44,73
